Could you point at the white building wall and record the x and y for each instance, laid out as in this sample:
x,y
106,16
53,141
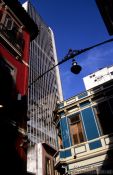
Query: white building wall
x,y
31,160
57,69
99,77
34,159
39,161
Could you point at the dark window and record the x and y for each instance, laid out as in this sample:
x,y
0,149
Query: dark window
x,y
108,84
8,23
85,103
109,92
97,97
72,107
74,119
105,117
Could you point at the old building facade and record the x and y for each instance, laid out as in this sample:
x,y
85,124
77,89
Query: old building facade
x,y
17,29
84,128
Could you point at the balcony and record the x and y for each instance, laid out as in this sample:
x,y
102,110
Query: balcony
x,y
12,40
84,151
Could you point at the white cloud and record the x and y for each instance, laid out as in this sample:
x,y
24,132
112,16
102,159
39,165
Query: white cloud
x,y
98,57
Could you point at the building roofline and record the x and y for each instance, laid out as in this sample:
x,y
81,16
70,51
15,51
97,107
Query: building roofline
x,y
98,70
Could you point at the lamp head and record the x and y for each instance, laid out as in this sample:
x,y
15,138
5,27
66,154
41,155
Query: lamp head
x,y
75,67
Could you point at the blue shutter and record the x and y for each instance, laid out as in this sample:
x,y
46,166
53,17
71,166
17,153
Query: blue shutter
x,y
90,127
65,133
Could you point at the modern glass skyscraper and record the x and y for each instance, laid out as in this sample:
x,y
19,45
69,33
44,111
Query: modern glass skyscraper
x,y
44,93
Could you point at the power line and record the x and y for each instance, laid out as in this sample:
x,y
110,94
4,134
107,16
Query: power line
x,y
71,54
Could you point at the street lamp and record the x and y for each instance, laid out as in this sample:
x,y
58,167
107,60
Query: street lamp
x,y
75,67
71,54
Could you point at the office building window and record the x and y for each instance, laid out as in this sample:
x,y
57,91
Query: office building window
x,y
76,129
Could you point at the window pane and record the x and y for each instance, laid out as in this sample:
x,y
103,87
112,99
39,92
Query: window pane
x,y
8,23
76,129
74,119
80,132
75,139
81,137
74,134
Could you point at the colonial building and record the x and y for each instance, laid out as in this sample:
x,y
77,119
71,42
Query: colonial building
x,y
17,29
85,128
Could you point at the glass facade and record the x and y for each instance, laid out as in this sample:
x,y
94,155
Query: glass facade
x,y
44,93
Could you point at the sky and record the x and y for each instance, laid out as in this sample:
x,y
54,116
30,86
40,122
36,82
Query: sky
x,y
77,24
